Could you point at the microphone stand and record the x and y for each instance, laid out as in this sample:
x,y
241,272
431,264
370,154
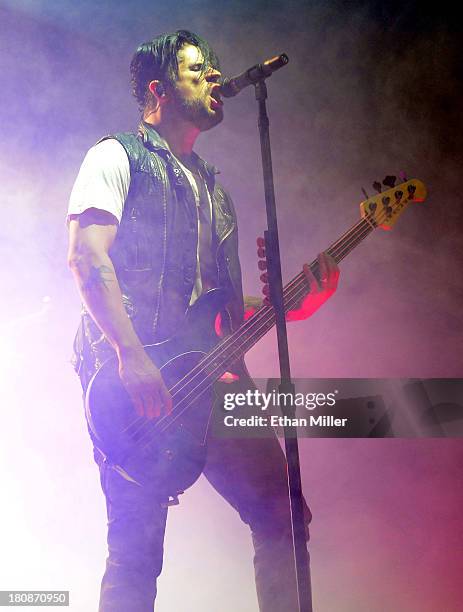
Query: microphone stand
x,y
272,249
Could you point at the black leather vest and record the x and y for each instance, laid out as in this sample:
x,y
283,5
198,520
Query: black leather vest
x,y
154,253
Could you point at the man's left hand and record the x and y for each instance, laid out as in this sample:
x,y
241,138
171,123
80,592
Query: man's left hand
x,y
319,291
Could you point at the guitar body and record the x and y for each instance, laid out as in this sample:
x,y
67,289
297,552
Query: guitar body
x,y
170,450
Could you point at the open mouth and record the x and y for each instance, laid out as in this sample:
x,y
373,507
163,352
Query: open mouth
x,y
216,97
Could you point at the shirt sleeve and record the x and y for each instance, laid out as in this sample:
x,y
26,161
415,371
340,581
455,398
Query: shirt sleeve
x,y
103,180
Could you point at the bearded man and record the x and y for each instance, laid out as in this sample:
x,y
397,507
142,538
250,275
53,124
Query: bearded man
x,y
151,230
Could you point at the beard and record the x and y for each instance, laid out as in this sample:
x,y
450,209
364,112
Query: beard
x,y
198,110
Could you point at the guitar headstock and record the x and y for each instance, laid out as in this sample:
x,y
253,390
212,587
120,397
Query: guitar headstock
x,y
383,209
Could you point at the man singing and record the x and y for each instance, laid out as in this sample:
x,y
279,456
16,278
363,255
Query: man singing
x,y
151,230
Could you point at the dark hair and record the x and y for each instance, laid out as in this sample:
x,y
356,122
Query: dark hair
x,y
157,60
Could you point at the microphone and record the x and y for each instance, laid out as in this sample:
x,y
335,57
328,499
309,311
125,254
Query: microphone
x,y
231,87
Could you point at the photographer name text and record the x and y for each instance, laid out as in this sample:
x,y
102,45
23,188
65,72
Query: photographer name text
x,y
284,421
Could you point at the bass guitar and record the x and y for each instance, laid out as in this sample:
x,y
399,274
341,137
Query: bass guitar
x,y
172,448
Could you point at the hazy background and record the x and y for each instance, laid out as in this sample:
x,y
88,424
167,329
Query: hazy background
x,y
371,89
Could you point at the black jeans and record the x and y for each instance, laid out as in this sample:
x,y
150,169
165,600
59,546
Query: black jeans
x,y
251,475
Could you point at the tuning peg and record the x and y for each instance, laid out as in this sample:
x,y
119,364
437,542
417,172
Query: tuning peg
x,y
403,176
389,181
377,186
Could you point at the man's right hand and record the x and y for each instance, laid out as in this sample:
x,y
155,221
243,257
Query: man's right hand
x,y
144,384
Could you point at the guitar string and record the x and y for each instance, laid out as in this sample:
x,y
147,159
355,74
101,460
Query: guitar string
x,y
357,233
296,289
166,421
231,357
265,315
203,385
262,315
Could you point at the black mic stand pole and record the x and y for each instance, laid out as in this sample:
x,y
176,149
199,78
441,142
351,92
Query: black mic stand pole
x,y
286,385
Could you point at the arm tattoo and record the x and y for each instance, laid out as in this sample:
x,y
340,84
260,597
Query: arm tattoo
x,y
98,276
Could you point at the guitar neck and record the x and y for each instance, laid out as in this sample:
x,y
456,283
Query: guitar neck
x,y
338,251
249,333
382,210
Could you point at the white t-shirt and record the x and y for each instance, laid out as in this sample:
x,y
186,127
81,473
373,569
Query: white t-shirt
x,y
103,182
